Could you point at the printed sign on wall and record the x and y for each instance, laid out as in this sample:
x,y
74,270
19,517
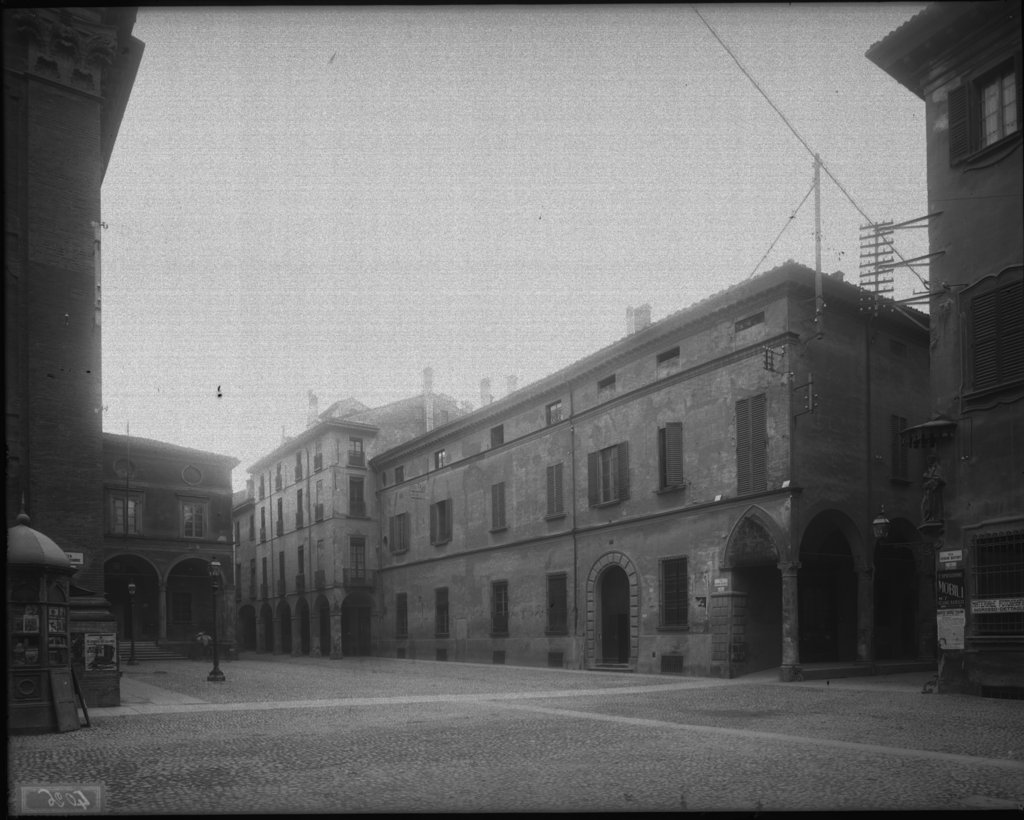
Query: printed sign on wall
x,y
950,624
950,589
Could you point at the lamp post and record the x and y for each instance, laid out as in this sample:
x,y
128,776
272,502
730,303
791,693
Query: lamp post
x,y
131,614
215,675
880,526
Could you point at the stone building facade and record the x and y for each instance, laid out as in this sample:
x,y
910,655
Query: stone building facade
x,y
964,61
696,498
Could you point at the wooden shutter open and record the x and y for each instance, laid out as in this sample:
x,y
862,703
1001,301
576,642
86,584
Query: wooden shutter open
x,y
623,473
593,479
959,124
758,443
672,454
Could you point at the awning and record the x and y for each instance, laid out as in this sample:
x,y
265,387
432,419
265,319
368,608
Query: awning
x,y
935,431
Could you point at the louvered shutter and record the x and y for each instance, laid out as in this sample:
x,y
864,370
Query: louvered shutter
x,y
758,444
554,489
393,534
433,524
985,338
673,454
623,471
959,124
743,446
1011,332
594,479
498,506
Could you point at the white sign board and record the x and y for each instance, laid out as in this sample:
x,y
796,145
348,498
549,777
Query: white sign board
x,y
77,559
950,624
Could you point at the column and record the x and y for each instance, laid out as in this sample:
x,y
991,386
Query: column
x,y
161,606
790,669
866,614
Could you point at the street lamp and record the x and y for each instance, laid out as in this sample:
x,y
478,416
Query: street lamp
x,y
880,525
215,675
131,613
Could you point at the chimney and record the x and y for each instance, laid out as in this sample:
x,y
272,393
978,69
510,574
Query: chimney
x,y
641,318
485,392
630,322
510,384
428,380
314,409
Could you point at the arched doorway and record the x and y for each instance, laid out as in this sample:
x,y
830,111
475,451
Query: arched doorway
x,y
355,624
753,557
323,610
284,616
247,628
118,572
896,593
267,620
827,590
302,614
189,600
613,604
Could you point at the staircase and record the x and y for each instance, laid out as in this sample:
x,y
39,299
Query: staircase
x,y
147,651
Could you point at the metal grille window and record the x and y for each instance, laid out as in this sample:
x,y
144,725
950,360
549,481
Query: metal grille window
x,y
441,612
670,456
499,608
498,506
751,445
608,475
556,505
557,604
997,602
401,615
674,608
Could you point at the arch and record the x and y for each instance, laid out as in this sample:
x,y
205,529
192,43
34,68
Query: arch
x,y
899,601
831,554
302,615
754,540
619,612
137,616
284,618
189,599
247,627
322,610
267,624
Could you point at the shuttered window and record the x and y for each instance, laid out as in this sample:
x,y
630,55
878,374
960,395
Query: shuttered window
x,y
398,532
997,335
608,475
984,110
499,608
751,445
674,607
557,604
441,522
670,455
555,502
498,506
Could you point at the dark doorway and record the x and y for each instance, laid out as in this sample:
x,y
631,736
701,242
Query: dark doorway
x,y
324,612
267,617
247,627
355,626
827,589
285,615
614,592
302,613
118,573
763,622
895,603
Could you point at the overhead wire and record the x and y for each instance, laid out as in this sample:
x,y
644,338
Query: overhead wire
x,y
789,222
796,134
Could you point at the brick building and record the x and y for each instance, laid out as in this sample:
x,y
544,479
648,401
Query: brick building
x,y
964,61
166,516
306,527
68,73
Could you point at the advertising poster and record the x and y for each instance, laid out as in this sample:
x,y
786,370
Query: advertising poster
x,y
950,624
950,589
100,652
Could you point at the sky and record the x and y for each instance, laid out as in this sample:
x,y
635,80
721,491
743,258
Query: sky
x,y
332,199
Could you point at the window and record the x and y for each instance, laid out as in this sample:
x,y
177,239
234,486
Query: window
x,y
670,456
398,532
263,488
441,612
673,593
997,602
608,475
606,386
193,519
298,509
300,555
263,524
356,499
252,577
898,448
356,456
557,604
668,361
252,527
318,456
498,435
277,477
318,506
357,556
498,506
996,332
298,466
280,516
983,111
499,608
751,445
553,412
399,475
181,607
280,566
125,513
383,478
264,568
441,522
439,459
401,615
750,321
555,503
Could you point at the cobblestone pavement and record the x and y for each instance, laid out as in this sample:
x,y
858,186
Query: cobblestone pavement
x,y
303,735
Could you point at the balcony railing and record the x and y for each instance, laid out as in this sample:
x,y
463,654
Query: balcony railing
x,y
356,458
357,509
358,577
320,579
300,583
